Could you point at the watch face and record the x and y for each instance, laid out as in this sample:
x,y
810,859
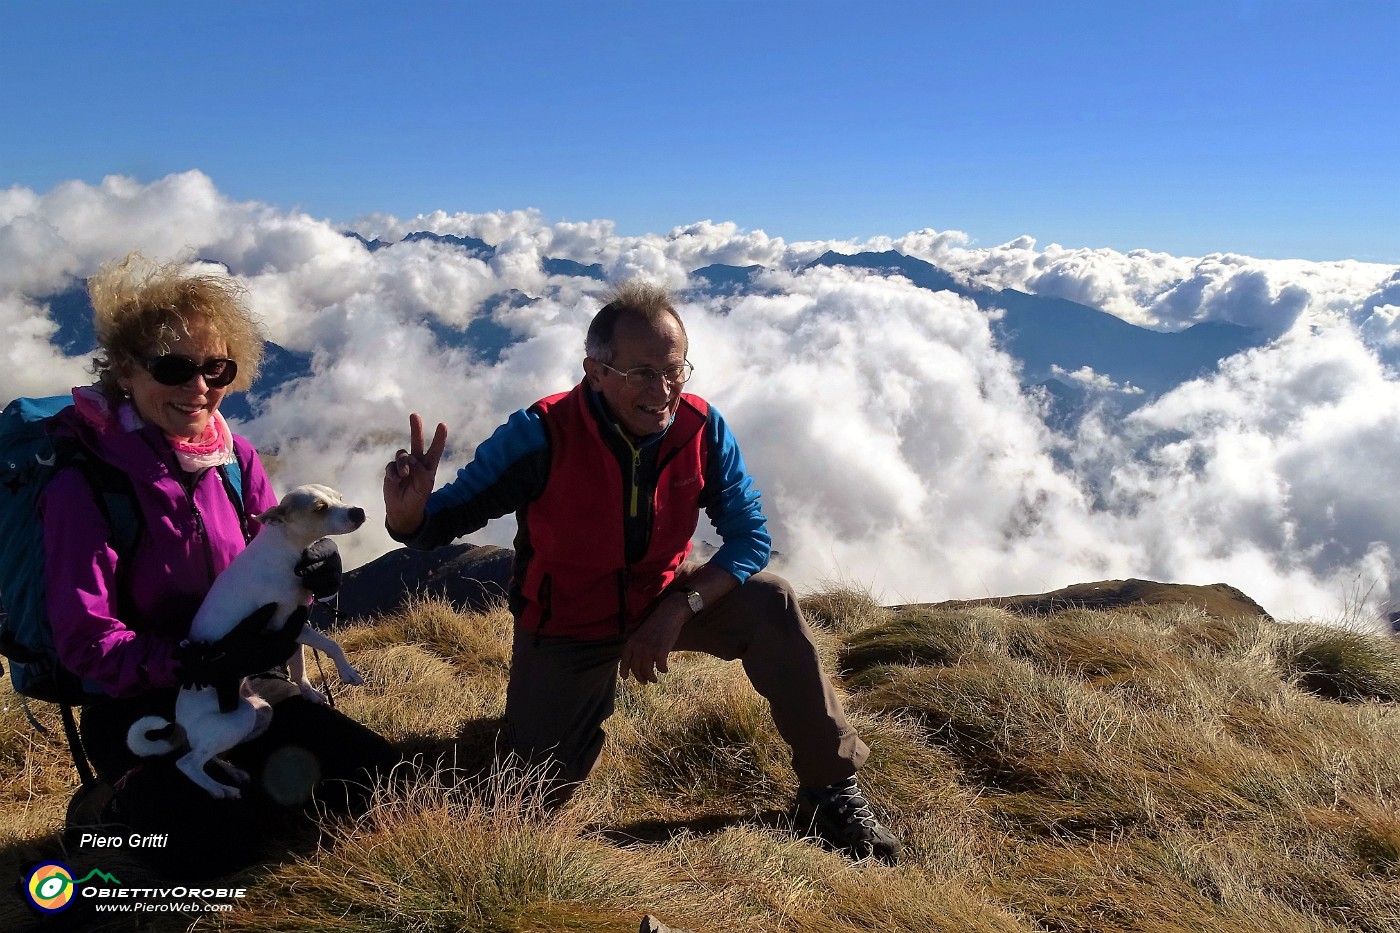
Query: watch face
x,y
695,600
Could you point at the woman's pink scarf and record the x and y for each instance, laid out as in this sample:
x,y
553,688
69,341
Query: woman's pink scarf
x,y
212,448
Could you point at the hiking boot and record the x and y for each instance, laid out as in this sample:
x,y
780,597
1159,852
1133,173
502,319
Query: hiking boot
x,y
841,816
93,805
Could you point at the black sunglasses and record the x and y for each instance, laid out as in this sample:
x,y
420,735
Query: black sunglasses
x,y
174,370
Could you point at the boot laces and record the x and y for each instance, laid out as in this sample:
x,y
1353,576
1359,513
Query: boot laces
x,y
847,800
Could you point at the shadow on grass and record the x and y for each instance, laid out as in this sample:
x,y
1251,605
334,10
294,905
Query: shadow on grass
x,y
657,832
281,836
472,752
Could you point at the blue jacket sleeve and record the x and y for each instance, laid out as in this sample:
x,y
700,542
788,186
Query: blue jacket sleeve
x,y
508,470
732,503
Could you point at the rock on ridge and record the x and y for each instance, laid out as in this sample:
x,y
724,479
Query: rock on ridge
x,y
1219,600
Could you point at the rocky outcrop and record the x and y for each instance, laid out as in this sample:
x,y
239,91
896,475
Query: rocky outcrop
x,y
468,576
1217,599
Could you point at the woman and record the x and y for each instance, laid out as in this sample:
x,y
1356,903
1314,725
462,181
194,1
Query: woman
x,y
171,346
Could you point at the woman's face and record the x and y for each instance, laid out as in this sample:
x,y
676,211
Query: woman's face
x,y
184,410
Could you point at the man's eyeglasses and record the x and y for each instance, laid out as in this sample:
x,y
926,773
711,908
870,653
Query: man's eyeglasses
x,y
173,370
643,376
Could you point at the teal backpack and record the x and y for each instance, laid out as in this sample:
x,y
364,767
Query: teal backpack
x,y
29,458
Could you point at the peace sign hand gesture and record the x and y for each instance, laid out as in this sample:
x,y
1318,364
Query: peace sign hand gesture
x,y
410,477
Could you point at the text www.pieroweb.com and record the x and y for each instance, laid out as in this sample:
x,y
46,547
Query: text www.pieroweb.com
x,y
162,900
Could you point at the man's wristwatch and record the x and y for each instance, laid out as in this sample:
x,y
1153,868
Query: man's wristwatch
x,y
694,600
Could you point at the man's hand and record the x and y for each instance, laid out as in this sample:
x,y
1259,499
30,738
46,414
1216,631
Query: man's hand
x,y
410,477
644,655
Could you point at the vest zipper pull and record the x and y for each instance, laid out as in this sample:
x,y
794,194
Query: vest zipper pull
x,y
636,465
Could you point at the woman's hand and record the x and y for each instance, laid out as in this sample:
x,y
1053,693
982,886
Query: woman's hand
x,y
410,477
320,569
250,648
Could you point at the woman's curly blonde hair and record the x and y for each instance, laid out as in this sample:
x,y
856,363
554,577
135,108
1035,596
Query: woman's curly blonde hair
x,y
139,306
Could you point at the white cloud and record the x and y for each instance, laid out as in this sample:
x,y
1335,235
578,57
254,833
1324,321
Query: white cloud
x,y
1161,291
1287,462
1097,382
29,364
885,427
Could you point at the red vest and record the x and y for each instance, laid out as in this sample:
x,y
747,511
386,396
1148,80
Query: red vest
x,y
578,582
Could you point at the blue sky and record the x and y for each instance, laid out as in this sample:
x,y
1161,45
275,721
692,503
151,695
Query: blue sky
x,y
1265,128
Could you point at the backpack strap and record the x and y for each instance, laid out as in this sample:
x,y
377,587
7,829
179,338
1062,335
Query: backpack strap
x,y
115,497
70,732
231,474
75,746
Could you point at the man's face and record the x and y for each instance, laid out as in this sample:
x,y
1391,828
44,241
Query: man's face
x,y
638,344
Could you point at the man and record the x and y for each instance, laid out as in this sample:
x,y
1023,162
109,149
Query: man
x,y
607,482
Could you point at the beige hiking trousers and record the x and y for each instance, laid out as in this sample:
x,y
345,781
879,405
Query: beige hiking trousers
x,y
563,689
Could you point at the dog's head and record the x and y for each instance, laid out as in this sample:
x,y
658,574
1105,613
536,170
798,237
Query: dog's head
x,y
312,512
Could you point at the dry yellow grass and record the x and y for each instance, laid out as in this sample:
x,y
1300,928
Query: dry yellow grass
x,y
1149,770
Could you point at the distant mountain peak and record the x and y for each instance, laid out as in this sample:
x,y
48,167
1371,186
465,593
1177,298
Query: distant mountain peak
x,y
1045,332
721,279
484,251
919,271
480,248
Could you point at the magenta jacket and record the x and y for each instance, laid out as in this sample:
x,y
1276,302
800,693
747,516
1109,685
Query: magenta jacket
x,y
121,636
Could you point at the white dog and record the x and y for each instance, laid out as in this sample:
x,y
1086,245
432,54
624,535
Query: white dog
x,y
264,573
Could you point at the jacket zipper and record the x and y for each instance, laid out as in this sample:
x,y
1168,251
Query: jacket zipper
x,y
625,574
201,532
178,474
636,467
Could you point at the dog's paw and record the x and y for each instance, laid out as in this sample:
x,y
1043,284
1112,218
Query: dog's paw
x,y
219,790
310,693
352,678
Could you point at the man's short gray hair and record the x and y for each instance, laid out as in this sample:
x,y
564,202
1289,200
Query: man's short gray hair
x,y
633,299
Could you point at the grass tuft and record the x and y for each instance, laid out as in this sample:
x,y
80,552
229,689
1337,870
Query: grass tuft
x,y
842,609
1341,665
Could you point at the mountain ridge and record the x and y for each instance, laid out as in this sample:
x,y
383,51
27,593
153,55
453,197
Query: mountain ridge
x,y
474,577
1054,340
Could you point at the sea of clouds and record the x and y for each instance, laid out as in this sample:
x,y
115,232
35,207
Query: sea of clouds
x,y
890,435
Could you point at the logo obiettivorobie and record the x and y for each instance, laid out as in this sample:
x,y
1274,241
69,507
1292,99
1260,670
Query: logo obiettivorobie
x,y
51,887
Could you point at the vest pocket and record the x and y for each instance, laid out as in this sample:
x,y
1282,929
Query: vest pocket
x,y
546,600
622,602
